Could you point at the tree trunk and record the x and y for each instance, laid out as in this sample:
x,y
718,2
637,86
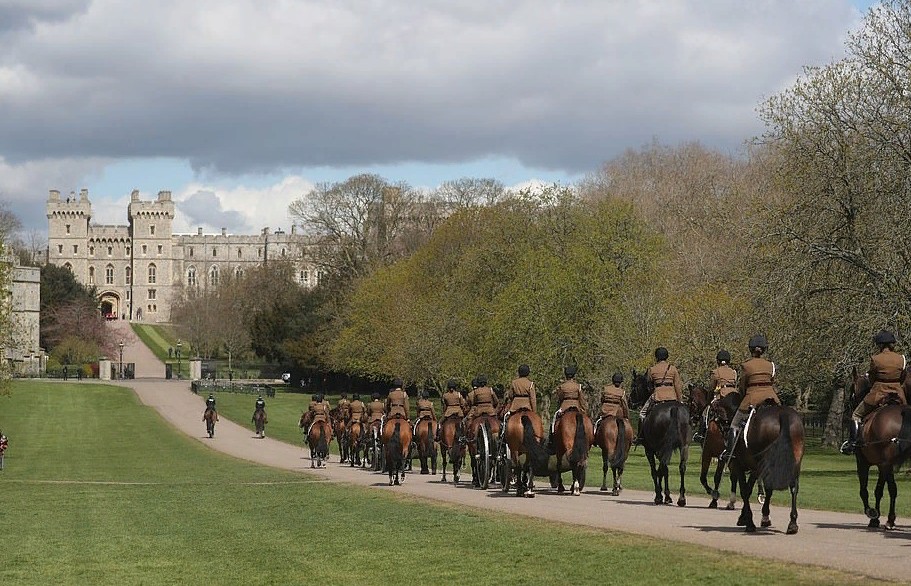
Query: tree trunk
x,y
833,434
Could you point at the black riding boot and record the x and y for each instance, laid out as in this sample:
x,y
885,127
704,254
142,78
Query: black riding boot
x,y
854,432
699,436
730,440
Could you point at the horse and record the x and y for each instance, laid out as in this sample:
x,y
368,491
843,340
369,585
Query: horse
x,y
339,430
425,430
770,450
886,445
355,435
493,433
373,452
614,435
572,438
665,429
318,437
450,446
396,444
259,420
526,453
639,391
697,400
210,417
719,420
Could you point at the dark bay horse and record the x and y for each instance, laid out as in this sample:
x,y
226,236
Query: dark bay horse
x,y
493,433
614,436
526,454
210,417
886,445
665,429
259,420
427,449
396,445
451,448
355,433
770,450
318,437
572,439
719,421
340,432
697,400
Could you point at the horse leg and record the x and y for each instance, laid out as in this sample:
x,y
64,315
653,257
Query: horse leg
x,y
530,476
893,493
863,477
312,457
579,480
664,480
878,495
605,468
618,480
766,519
732,501
795,488
444,453
655,479
746,514
704,478
684,456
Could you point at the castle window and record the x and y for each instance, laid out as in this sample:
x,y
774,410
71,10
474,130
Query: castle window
x,y
109,275
191,277
259,252
91,275
67,228
238,272
190,251
151,273
129,296
283,252
319,277
160,247
144,248
214,252
128,275
152,293
305,276
129,250
60,249
110,250
239,255
92,250
213,276
75,249
152,230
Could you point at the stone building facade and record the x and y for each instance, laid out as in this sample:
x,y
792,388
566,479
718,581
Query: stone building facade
x,y
23,353
141,267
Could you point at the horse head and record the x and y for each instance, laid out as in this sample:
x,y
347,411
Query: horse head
x,y
860,385
639,391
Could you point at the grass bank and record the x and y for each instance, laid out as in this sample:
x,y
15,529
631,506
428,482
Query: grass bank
x,y
98,490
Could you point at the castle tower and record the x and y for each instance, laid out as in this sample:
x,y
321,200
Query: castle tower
x,y
150,229
68,230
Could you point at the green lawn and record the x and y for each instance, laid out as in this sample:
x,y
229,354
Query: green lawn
x,y
159,338
98,490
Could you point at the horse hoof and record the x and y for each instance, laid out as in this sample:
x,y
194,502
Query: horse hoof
x,y
874,524
751,528
390,483
729,507
603,489
561,490
742,521
714,494
615,492
681,502
792,528
658,500
577,492
713,504
312,465
766,523
529,495
668,500
871,513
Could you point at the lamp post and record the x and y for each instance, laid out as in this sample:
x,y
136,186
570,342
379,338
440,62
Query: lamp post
x,y
178,358
121,358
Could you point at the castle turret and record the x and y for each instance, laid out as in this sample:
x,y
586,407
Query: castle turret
x,y
68,230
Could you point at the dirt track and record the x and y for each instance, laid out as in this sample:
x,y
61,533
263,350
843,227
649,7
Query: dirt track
x,y
834,540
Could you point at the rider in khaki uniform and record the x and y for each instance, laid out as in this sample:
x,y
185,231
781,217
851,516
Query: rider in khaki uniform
x,y
665,379
521,393
425,411
375,410
452,402
482,401
397,401
319,411
344,407
356,410
613,400
886,375
757,384
723,382
569,396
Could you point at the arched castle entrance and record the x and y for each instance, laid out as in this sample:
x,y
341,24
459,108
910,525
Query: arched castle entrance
x,y
110,305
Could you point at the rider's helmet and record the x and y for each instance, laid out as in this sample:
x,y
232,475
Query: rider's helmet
x,y
376,396
569,371
661,353
524,370
759,341
481,379
452,384
617,378
425,394
884,338
318,398
260,398
356,397
211,396
723,357
344,395
397,383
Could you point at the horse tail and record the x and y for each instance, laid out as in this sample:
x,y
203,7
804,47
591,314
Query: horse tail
x,y
322,445
904,438
619,454
779,469
580,442
429,439
395,445
671,439
537,454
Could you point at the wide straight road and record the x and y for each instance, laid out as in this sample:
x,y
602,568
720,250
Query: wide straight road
x,y
834,540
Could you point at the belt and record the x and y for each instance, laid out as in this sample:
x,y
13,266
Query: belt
x,y
728,386
763,384
484,403
889,380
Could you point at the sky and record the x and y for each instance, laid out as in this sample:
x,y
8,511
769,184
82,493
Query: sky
x,y
238,107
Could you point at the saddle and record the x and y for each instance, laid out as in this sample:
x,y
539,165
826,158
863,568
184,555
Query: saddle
x,y
888,399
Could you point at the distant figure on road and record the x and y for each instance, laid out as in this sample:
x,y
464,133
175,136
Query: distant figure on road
x,y
65,373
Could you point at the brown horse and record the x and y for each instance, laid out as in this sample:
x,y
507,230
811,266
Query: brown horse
x,y
210,417
450,446
719,421
886,445
481,427
525,452
396,445
696,402
340,431
260,421
770,450
614,435
425,430
572,439
318,437
355,434
666,428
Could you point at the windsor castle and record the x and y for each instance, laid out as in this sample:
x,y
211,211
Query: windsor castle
x,y
140,268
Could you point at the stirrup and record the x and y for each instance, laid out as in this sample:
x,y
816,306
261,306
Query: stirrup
x,y
848,447
698,437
